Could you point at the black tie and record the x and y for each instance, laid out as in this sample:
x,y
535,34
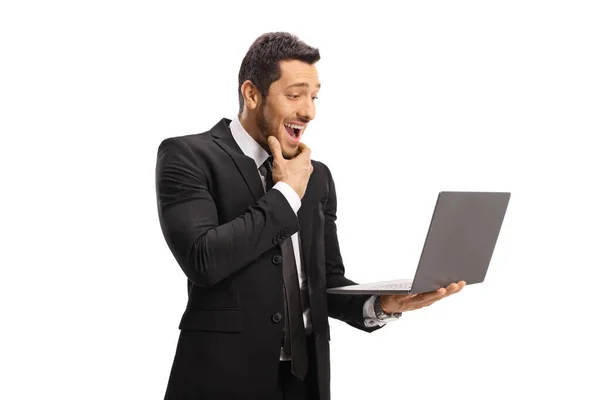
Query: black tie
x,y
294,342
269,173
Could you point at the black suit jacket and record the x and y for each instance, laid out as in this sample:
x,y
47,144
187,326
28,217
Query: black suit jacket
x,y
224,232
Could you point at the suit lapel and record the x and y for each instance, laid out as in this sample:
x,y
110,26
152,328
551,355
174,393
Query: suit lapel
x,y
245,165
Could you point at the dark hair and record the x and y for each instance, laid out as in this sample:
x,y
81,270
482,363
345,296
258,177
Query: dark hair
x,y
261,63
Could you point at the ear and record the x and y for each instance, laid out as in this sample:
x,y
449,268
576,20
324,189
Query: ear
x,y
251,95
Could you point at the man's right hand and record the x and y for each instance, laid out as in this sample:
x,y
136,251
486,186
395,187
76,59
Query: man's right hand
x,y
294,172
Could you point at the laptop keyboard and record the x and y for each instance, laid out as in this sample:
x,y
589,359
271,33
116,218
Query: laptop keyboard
x,y
396,285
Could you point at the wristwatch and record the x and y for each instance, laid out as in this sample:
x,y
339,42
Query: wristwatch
x,y
382,315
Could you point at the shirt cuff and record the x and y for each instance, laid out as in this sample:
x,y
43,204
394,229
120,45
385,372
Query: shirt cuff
x,y
290,194
370,317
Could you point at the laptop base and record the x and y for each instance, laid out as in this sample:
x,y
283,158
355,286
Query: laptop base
x,y
399,286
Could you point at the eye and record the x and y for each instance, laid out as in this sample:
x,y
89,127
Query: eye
x,y
315,97
293,96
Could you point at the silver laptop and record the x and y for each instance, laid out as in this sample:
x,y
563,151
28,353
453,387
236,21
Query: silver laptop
x,y
458,247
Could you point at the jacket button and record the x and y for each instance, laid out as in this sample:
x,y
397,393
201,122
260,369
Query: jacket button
x,y
277,259
276,317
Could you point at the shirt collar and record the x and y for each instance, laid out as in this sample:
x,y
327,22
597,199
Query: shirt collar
x,y
249,146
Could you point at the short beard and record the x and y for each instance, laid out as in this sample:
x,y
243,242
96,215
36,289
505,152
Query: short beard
x,y
266,128
262,122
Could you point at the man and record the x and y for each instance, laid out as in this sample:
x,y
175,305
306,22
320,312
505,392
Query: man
x,y
250,218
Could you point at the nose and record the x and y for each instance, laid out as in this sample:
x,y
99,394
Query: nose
x,y
307,110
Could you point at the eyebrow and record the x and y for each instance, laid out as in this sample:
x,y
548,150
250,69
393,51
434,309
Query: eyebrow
x,y
303,84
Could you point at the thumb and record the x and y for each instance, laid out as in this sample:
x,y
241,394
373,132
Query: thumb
x,y
275,147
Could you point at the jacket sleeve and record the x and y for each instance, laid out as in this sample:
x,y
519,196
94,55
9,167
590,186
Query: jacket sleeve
x,y
347,308
206,250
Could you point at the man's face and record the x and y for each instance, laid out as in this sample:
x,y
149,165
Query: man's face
x,y
289,105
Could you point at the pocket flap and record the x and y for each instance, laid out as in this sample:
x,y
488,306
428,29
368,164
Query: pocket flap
x,y
213,319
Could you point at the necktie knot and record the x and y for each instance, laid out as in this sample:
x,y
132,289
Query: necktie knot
x,y
268,164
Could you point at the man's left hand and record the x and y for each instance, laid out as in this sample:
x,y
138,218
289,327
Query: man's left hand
x,y
397,303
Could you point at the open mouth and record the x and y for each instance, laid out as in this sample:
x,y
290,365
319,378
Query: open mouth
x,y
295,131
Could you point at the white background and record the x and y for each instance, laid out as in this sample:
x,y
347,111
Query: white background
x,y
417,97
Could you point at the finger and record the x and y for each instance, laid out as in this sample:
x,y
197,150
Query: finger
x,y
452,288
302,146
460,285
423,304
426,297
401,299
416,301
431,302
455,287
275,147
303,151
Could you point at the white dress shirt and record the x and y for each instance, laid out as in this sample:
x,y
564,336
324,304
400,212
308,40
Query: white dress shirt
x,y
253,150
